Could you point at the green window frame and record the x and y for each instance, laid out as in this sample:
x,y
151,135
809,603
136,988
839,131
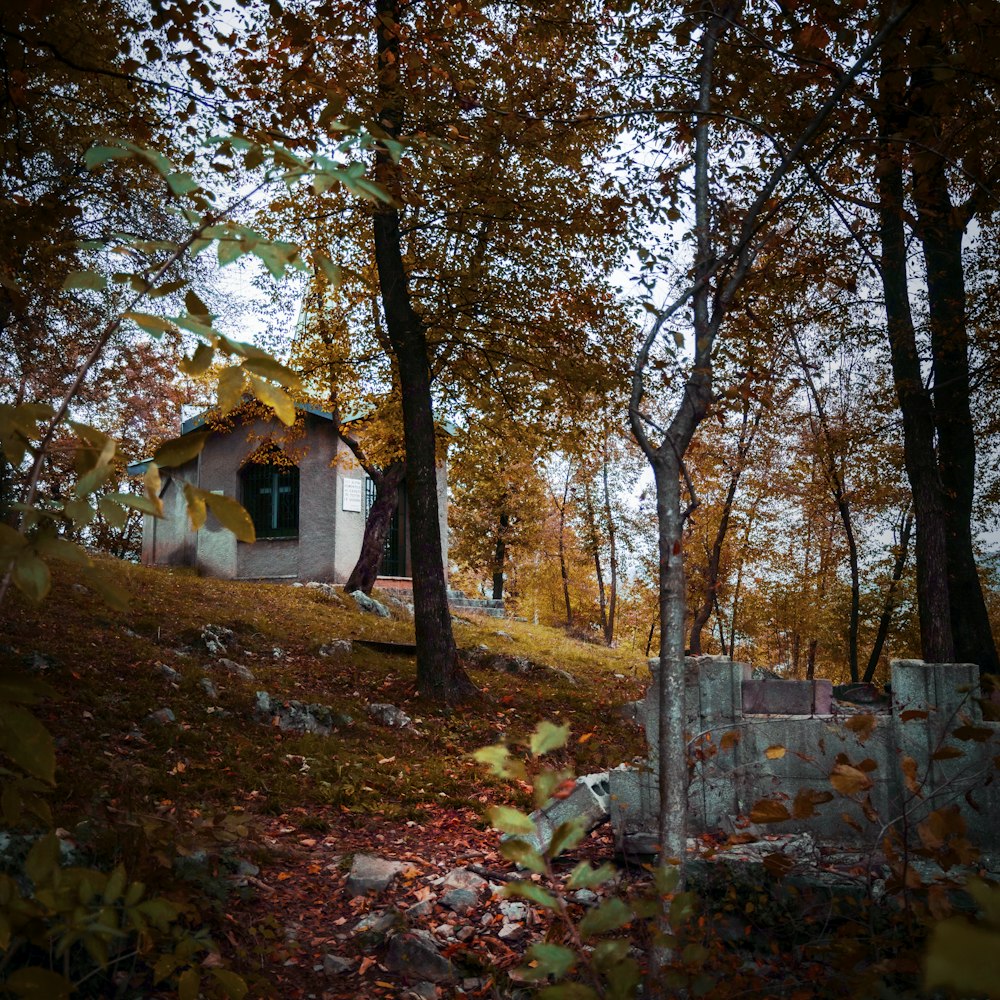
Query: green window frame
x,y
270,494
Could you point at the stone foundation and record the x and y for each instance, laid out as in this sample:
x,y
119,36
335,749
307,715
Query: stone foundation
x,y
775,739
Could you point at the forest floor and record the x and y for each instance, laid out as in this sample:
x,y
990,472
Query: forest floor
x,y
255,829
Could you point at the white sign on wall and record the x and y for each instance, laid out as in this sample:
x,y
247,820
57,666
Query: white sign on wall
x,y
354,494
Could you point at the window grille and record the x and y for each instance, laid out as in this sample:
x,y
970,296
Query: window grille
x,y
270,494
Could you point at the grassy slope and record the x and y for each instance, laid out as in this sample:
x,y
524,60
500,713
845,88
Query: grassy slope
x,y
209,761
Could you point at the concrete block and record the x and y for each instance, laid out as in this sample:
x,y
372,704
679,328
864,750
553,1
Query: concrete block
x,y
588,803
787,697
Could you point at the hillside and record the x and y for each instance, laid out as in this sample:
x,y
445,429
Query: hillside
x,y
260,823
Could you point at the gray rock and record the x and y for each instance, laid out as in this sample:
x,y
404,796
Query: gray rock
x,y
217,639
504,635
298,717
39,663
326,590
513,909
236,669
415,955
369,604
585,896
167,672
374,928
464,933
337,965
371,874
162,716
420,909
423,991
460,900
511,932
462,878
337,647
277,653
389,715
211,691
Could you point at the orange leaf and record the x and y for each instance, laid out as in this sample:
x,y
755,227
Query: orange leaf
x,y
730,739
849,780
910,775
585,737
862,725
769,811
283,875
366,963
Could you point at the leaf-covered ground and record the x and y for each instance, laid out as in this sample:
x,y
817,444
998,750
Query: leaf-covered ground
x,y
255,829
218,786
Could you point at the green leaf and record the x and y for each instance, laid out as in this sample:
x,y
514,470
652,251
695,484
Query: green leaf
x,y
610,952
568,991
155,325
523,854
112,513
133,501
532,891
548,736
188,985
24,690
495,757
623,978
233,985
42,859
333,272
31,576
566,836
27,742
181,183
276,398
80,512
509,820
609,916
230,391
115,886
35,983
232,516
97,155
90,280
552,960
584,876
177,451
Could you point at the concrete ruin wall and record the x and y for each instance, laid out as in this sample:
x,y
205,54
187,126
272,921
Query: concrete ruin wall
x,y
733,720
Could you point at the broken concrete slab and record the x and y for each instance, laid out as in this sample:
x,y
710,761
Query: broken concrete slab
x,y
787,697
589,804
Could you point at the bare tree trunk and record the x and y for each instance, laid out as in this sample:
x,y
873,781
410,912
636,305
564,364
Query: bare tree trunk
x,y
940,230
439,674
609,631
563,569
595,548
915,405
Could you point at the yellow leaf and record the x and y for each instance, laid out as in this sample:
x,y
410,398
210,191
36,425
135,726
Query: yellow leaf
x,y
276,398
195,505
775,752
230,390
231,515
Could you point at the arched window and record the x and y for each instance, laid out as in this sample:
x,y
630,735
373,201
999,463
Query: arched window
x,y
270,494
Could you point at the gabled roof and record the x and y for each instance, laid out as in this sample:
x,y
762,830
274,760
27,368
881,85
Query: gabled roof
x,y
198,420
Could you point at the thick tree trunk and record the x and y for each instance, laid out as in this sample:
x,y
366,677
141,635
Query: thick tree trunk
x,y
941,239
439,674
915,406
365,571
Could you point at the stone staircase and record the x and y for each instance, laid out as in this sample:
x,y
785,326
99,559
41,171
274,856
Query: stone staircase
x,y
481,606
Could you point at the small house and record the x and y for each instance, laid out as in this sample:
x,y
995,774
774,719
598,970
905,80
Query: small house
x,y
304,490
